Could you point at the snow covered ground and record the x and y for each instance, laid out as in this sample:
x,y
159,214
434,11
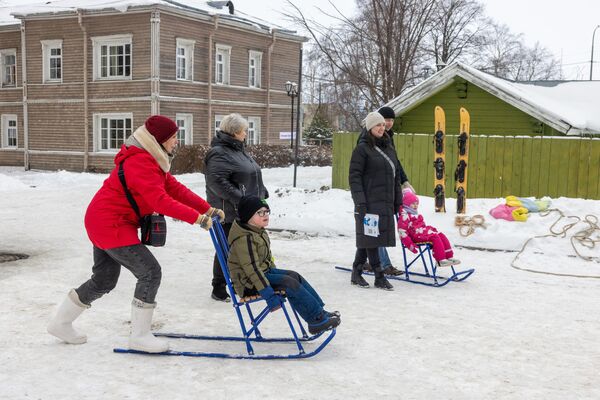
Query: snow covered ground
x,y
502,334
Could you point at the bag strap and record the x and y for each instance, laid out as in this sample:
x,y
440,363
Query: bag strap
x,y
127,192
388,159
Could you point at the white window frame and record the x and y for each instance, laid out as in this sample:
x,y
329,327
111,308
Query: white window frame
x,y
47,47
222,57
254,71
217,123
113,40
6,118
187,46
3,54
98,130
253,136
185,122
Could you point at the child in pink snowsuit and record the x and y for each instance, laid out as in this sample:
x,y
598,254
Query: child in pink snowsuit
x,y
412,229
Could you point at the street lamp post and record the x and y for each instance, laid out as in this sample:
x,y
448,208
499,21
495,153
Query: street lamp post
x,y
292,90
592,57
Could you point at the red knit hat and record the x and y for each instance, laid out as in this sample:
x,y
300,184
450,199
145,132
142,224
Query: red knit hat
x,y
161,127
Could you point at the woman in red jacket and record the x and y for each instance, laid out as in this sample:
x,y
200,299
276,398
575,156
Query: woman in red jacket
x,y
112,226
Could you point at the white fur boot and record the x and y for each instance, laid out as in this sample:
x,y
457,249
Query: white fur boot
x,y
61,325
141,338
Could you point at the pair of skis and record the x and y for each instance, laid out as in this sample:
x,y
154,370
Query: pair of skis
x,y
439,161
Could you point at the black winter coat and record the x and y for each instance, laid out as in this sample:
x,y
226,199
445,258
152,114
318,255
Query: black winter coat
x,y
375,189
390,133
230,174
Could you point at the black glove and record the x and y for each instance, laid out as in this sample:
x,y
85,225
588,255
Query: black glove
x,y
360,209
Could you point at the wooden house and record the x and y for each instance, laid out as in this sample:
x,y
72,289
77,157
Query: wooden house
x,y
79,76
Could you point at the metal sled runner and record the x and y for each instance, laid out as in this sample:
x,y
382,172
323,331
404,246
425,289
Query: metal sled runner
x,y
250,334
428,276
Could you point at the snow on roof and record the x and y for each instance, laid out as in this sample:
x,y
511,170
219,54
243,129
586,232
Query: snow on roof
x,y
570,107
10,10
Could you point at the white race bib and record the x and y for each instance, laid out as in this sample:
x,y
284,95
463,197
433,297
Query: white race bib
x,y
371,225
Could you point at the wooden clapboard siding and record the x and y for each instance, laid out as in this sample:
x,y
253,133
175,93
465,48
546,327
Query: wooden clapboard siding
x,y
498,166
489,114
183,89
56,127
112,89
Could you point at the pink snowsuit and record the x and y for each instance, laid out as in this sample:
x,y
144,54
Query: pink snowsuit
x,y
417,232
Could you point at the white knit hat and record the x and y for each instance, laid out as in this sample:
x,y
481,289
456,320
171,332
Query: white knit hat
x,y
373,118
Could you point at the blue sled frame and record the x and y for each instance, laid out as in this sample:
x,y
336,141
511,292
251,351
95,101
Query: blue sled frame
x,y
429,276
249,335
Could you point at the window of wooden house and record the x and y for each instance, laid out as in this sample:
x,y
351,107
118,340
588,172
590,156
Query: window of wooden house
x,y
111,130
52,60
9,131
184,59
8,63
253,136
218,119
222,58
254,68
184,122
112,57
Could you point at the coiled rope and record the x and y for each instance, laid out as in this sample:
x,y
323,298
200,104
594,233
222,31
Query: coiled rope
x,y
584,238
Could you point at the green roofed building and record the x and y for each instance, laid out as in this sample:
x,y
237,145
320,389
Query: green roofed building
x,y
498,106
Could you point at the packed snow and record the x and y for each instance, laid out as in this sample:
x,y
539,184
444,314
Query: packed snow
x,y
503,333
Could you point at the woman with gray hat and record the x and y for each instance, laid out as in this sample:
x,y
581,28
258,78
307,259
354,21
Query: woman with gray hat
x,y
375,184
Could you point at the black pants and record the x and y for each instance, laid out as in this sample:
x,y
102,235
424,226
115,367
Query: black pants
x,y
218,280
107,268
361,257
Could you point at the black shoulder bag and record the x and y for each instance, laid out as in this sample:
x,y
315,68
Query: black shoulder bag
x,y
153,226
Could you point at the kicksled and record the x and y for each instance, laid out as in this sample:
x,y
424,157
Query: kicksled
x,y
249,324
428,275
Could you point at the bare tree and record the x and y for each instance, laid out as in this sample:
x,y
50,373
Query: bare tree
x,y
372,55
457,30
536,63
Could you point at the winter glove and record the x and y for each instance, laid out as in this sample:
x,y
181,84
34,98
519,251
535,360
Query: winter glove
x,y
204,221
401,233
216,212
273,301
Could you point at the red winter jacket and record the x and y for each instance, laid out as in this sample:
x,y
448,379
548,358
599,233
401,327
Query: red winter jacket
x,y
110,220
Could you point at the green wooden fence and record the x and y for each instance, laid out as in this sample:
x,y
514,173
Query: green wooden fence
x,y
498,165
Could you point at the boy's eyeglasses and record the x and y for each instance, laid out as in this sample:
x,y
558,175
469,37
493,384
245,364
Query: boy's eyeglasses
x,y
262,213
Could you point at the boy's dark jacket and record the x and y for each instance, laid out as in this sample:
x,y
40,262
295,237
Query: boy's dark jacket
x,y
249,257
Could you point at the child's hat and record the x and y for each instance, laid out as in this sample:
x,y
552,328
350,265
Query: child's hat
x,y
408,198
248,205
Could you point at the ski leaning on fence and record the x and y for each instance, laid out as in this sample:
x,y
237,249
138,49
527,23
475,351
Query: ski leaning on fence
x,y
460,175
439,160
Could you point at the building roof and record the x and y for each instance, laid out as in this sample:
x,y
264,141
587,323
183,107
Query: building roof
x,y
13,10
571,107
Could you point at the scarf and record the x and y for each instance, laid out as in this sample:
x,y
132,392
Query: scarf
x,y
143,139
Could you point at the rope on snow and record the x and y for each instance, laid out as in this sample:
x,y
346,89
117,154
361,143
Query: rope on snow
x,y
466,225
583,237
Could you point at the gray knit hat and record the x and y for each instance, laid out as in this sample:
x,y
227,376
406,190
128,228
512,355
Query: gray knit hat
x,y
373,118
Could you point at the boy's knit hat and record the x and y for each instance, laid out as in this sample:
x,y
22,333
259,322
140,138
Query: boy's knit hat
x,y
248,205
408,198
387,112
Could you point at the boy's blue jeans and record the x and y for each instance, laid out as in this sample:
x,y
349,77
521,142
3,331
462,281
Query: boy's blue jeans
x,y
301,295
384,258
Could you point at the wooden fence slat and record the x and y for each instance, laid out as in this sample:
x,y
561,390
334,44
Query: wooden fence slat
x,y
544,186
517,167
534,166
573,168
507,168
526,184
472,181
594,170
554,171
583,182
490,177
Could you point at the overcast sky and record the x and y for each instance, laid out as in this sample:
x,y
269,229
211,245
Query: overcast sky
x,y
564,27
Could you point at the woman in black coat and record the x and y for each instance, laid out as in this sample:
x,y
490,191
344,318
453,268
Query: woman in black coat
x,y
230,174
375,184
